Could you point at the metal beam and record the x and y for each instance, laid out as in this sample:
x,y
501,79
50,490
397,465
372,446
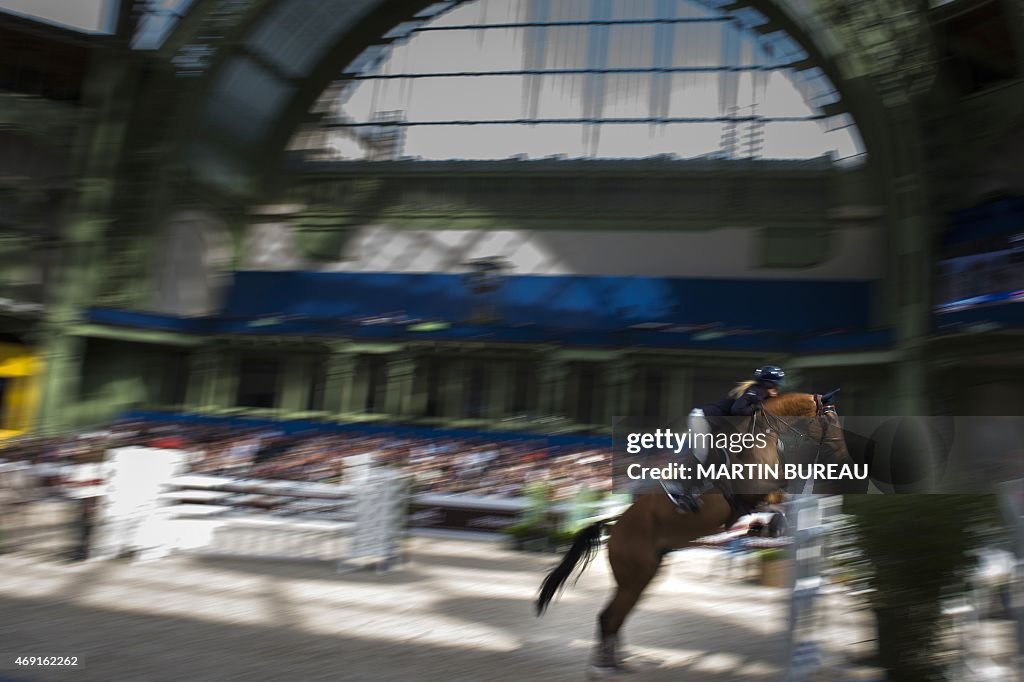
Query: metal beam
x,y
263,160
885,357
861,99
366,31
149,336
186,29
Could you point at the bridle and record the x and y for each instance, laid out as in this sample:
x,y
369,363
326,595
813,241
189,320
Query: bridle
x,y
778,424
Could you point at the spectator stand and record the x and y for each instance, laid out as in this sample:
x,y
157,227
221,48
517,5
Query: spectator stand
x,y
468,483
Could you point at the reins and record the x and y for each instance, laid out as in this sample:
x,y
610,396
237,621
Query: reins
x,y
773,422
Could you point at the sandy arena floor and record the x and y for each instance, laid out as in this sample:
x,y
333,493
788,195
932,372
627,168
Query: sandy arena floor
x,y
457,611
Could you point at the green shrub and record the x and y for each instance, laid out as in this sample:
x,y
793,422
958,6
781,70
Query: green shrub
x,y
915,549
772,554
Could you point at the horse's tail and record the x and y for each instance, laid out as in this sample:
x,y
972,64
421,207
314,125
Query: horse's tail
x,y
584,546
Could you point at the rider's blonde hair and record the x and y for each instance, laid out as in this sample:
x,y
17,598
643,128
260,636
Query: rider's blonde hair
x,y
741,388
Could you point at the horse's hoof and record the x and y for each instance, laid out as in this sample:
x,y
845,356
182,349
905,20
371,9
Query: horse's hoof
x,y
604,672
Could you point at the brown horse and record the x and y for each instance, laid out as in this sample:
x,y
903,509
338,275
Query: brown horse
x,y
652,526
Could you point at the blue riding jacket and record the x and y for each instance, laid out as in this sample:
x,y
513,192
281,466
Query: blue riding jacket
x,y
744,406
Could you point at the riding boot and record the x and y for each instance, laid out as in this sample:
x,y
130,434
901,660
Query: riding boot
x,y
681,496
686,494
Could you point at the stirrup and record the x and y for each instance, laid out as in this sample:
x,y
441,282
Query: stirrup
x,y
683,501
688,503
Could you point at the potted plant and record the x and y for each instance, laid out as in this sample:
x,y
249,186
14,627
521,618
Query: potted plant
x,y
560,539
916,550
525,534
775,568
533,532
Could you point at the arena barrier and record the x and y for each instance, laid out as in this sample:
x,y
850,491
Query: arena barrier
x,y
1011,500
969,619
486,517
819,530
20,527
812,518
155,511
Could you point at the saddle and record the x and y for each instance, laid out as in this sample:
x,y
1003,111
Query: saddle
x,y
686,494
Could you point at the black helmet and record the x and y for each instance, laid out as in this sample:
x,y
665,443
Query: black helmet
x,y
769,374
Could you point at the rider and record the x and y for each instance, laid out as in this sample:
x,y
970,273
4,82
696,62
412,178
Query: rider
x,y
741,401
746,398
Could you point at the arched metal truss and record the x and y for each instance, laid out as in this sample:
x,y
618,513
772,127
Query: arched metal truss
x,y
673,77
263,63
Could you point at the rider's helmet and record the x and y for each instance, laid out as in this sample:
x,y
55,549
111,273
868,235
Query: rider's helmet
x,y
769,374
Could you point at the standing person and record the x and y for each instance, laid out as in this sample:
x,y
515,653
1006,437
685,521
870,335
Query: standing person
x,y
83,482
87,518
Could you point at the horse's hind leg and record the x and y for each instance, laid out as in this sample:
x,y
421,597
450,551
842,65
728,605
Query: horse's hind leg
x,y
632,575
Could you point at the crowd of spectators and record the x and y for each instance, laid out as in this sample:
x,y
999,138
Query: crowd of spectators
x,y
961,279
436,462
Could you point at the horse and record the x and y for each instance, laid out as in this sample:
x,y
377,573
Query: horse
x,y
653,526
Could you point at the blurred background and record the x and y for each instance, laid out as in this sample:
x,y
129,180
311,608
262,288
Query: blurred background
x,y
458,238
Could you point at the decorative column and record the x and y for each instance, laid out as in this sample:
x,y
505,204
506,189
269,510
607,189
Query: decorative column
x,y
499,390
619,376
340,380
401,371
553,375
665,387
224,385
360,385
63,367
109,92
198,369
914,312
420,389
679,399
294,384
202,370
571,391
910,239
453,391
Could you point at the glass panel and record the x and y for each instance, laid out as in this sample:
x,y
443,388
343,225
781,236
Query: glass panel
x,y
697,82
246,99
158,20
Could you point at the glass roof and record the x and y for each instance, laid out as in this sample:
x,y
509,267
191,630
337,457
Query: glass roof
x,y
523,78
87,16
591,78
157,21
293,34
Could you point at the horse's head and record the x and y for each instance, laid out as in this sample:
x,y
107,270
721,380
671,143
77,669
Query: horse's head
x,y
814,420
768,427
804,420
792,405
